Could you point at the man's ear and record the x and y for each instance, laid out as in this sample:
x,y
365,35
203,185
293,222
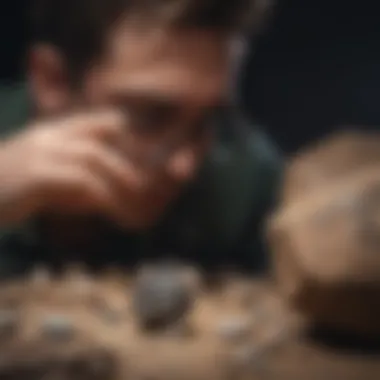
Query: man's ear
x,y
48,79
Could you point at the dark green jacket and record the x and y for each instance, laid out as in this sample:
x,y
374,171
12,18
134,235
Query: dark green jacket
x,y
218,221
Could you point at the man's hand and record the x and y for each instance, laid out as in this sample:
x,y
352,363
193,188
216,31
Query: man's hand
x,y
72,165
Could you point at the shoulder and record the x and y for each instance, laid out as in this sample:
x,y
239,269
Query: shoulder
x,y
245,164
240,179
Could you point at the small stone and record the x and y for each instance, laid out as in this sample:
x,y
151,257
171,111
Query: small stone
x,y
109,314
249,359
234,328
8,323
40,276
248,354
58,327
162,296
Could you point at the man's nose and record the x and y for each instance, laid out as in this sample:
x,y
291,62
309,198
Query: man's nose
x,y
182,164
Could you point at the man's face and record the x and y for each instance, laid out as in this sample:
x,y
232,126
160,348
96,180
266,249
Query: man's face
x,y
170,85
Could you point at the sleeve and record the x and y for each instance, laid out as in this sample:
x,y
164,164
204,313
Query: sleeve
x,y
18,251
251,243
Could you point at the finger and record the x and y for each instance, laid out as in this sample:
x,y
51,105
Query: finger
x,y
97,124
108,163
74,190
88,193
107,125
72,187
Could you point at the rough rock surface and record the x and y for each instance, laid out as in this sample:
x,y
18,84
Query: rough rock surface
x,y
331,159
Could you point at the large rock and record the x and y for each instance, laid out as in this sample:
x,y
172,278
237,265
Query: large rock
x,y
326,246
325,236
331,159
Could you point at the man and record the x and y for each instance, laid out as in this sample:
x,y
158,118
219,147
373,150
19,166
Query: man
x,y
118,154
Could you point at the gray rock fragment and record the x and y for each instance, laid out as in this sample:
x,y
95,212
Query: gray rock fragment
x,y
58,327
162,296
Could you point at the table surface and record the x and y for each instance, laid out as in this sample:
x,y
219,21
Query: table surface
x,y
285,346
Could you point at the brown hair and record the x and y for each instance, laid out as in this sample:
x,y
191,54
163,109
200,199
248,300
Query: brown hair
x,y
78,27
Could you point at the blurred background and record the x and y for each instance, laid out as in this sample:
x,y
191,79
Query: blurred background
x,y
316,69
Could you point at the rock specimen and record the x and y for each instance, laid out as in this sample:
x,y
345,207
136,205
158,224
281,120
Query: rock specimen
x,y
325,236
